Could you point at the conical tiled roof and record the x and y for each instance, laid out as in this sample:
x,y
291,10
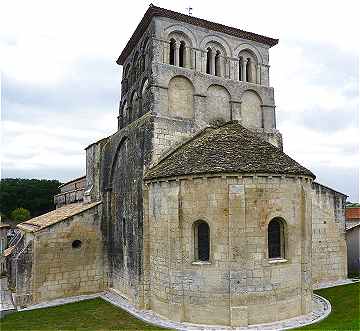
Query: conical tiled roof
x,y
226,149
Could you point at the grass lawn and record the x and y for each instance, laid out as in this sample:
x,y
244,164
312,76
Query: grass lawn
x,y
94,314
345,313
98,314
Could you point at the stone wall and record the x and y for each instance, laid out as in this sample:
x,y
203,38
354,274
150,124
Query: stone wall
x,y
329,245
240,285
123,160
22,273
213,98
70,192
55,266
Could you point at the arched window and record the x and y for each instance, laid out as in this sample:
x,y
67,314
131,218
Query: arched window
x,y
172,51
217,64
202,241
276,240
182,54
208,60
248,62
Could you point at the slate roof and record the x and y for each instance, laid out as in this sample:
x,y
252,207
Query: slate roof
x,y
157,11
230,148
60,214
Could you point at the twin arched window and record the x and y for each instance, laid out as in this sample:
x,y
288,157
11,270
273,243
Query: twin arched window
x,y
213,62
276,239
248,67
177,55
201,241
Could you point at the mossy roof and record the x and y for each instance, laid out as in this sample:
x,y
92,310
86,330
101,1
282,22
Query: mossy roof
x,y
230,148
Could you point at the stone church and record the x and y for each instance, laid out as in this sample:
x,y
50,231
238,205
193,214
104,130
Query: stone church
x,y
191,209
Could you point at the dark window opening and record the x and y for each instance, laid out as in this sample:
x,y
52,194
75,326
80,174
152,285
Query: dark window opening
x,y
208,61
202,241
248,70
182,54
124,230
217,64
240,68
172,51
276,239
76,244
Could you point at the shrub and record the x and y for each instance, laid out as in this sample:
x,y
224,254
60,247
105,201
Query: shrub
x,y
20,215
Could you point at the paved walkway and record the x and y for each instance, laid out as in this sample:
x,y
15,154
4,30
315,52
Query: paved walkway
x,y
63,301
335,283
321,309
6,303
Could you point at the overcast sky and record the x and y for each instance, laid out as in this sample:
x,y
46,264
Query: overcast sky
x,y
60,84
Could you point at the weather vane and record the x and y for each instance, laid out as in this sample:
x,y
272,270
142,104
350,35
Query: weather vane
x,y
189,9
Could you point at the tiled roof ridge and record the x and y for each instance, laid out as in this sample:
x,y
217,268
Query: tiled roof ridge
x,y
154,11
43,221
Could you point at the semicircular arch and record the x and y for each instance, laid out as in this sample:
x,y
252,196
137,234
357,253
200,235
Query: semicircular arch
x,y
248,47
176,28
219,40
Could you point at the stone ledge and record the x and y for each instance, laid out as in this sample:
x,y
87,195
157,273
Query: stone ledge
x,y
201,263
275,261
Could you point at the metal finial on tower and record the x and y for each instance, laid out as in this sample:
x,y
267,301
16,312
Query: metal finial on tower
x,y
189,9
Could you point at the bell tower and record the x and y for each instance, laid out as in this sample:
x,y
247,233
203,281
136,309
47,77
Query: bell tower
x,y
190,73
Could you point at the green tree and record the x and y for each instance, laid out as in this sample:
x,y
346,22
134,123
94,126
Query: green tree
x,y
35,195
20,215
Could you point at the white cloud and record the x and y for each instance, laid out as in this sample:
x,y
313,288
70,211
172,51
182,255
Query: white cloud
x,y
50,108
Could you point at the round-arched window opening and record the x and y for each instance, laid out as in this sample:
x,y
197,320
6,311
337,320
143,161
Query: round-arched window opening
x,y
76,244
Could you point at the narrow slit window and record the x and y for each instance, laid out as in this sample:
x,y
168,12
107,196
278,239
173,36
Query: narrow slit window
x,y
240,68
248,70
182,50
217,64
208,61
172,51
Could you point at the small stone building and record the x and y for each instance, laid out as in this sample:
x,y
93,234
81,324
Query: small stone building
x,y
191,209
60,254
